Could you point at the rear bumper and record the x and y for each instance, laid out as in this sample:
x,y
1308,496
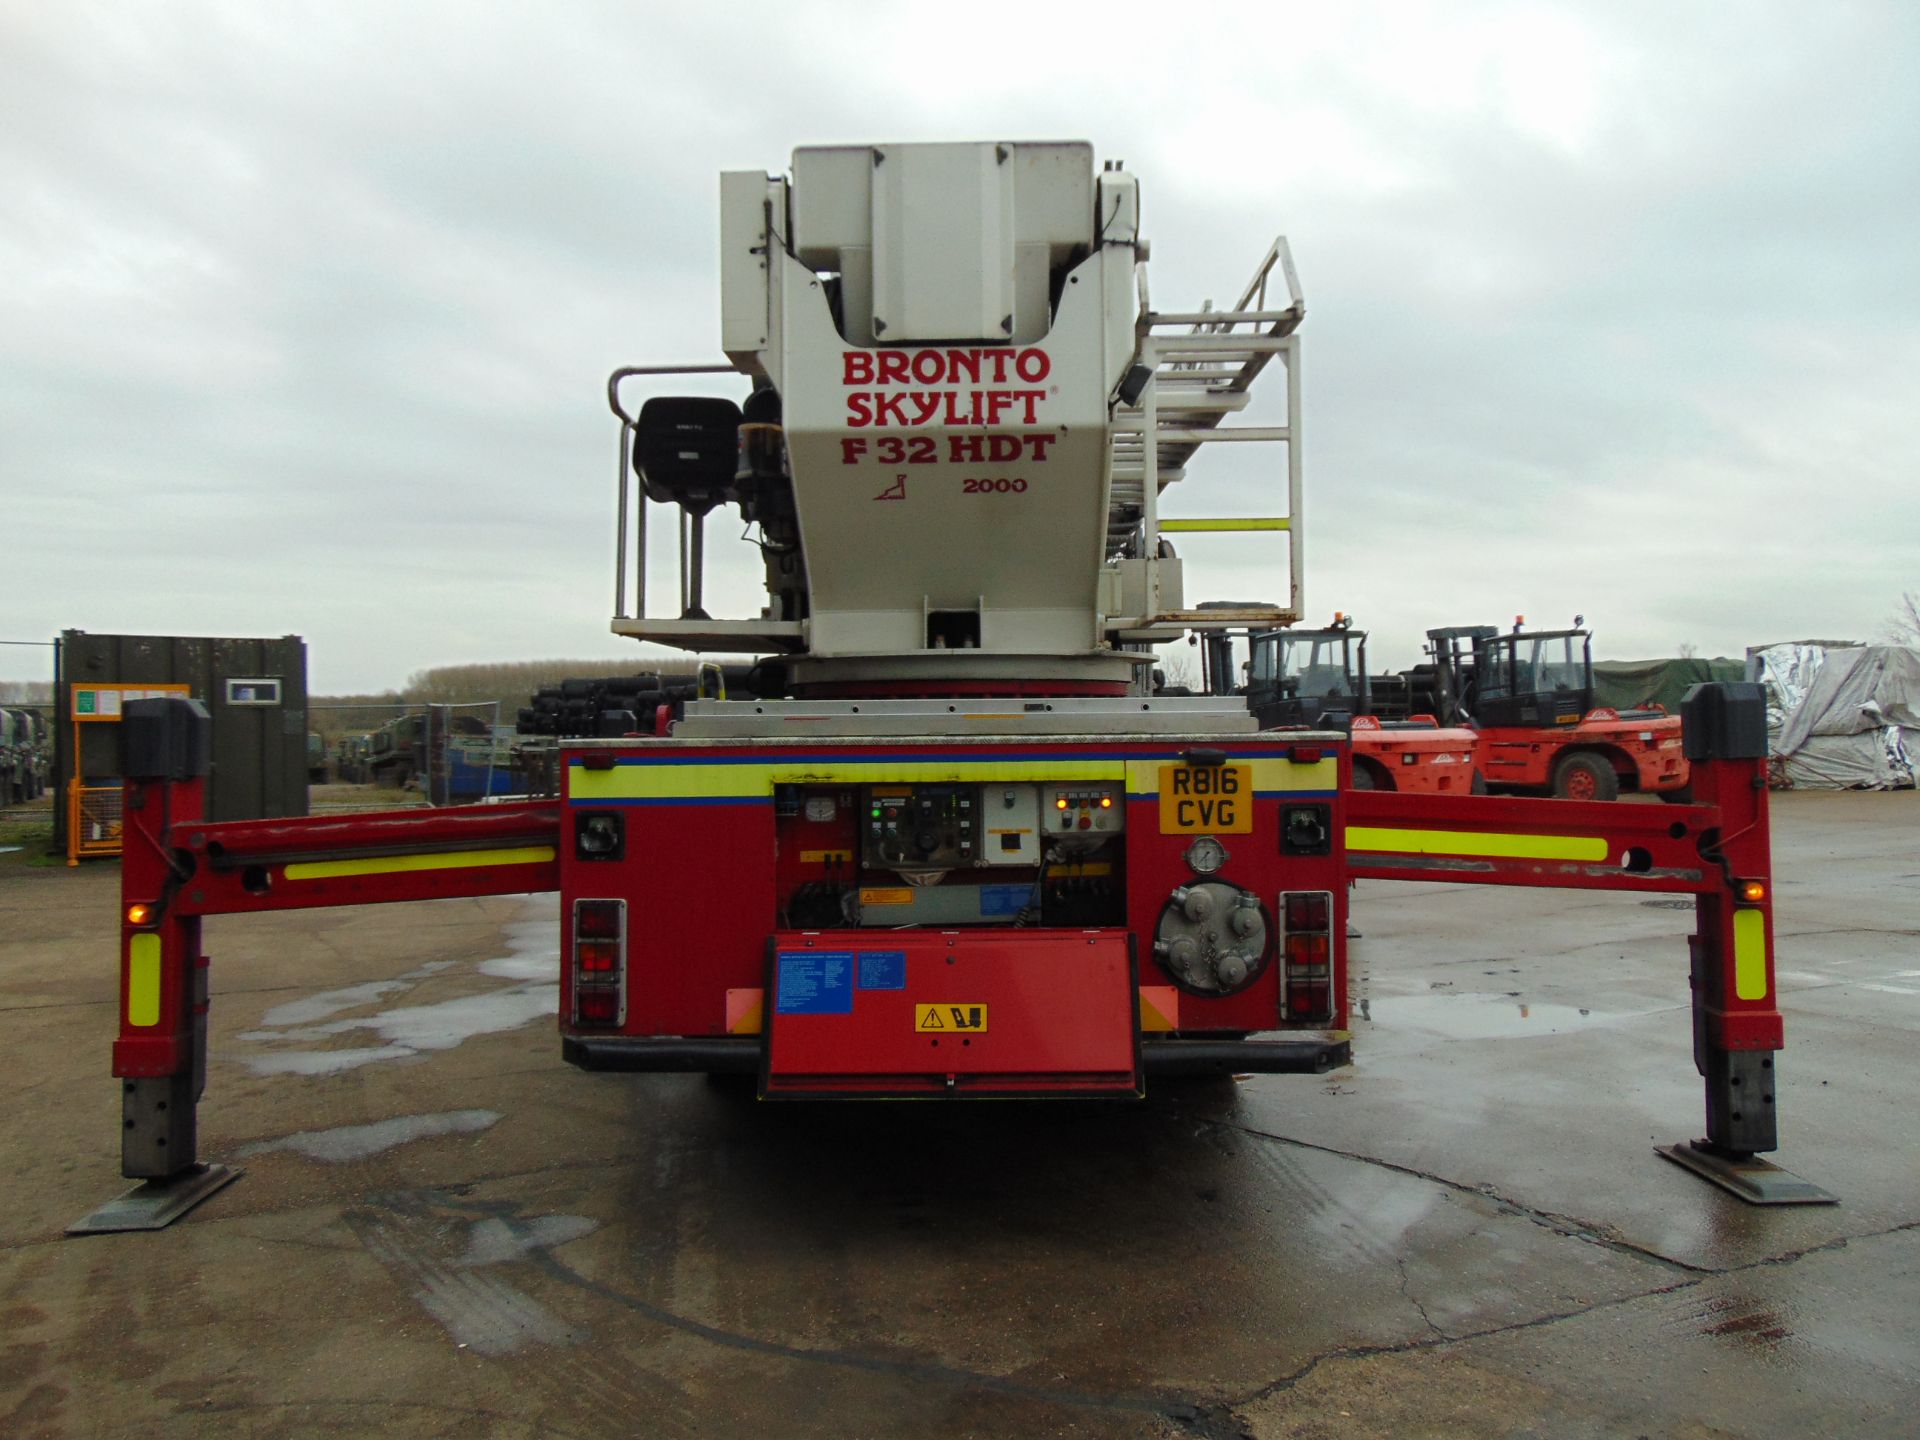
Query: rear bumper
x,y
1157,1057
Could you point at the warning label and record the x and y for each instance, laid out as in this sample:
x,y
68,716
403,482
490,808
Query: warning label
x,y
944,1019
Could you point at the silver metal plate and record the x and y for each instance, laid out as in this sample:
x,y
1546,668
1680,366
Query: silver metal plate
x,y
1756,1181
1119,716
156,1204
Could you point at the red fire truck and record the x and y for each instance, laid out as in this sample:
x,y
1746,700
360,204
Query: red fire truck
x,y
945,843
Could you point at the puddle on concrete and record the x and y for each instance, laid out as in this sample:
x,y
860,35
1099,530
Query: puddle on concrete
x,y
323,1003
533,964
357,1142
497,1242
322,1062
523,967
480,1312
1479,1017
1372,1224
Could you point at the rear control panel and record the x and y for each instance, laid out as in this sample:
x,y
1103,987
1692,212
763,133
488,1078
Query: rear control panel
x,y
1076,807
922,827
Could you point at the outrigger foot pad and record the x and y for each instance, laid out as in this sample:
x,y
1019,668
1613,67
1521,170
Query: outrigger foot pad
x,y
156,1204
1756,1181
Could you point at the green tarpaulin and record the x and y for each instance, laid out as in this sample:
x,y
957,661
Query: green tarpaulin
x,y
1630,684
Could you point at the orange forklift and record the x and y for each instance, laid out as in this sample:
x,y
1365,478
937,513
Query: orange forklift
x,y
1529,694
1318,679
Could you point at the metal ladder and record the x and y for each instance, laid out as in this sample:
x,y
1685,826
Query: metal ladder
x,y
1203,366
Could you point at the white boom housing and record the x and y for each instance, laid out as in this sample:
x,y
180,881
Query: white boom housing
x,y
965,376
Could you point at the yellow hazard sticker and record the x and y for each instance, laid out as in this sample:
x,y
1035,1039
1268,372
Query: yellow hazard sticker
x,y
1206,799
901,896
950,1019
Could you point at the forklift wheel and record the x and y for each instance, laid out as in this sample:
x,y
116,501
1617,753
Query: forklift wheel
x,y
1479,785
1363,778
1582,776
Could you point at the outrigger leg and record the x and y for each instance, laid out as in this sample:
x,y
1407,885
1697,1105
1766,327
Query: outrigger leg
x,y
1737,1029
176,869
161,1055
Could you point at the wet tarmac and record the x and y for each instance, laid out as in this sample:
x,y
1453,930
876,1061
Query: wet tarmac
x,y
443,1230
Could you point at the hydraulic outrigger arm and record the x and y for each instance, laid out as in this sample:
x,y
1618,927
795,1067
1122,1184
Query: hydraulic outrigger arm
x,y
178,869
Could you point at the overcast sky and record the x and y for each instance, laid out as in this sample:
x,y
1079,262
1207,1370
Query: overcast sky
x,y
306,312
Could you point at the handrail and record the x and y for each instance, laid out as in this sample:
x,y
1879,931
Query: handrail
x,y
627,424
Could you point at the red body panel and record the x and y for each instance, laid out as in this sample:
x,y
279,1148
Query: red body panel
x,y
709,877
1645,754
1025,1011
1418,762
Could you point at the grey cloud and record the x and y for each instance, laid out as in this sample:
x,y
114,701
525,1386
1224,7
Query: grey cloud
x,y
319,311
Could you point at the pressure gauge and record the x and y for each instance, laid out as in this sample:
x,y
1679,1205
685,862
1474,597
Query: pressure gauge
x,y
1206,855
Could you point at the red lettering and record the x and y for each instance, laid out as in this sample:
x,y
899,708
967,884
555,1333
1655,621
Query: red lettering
x,y
1040,444
1003,448
1032,397
859,368
998,403
889,408
893,367
999,358
926,404
965,449
929,367
859,410
1033,365
963,365
851,450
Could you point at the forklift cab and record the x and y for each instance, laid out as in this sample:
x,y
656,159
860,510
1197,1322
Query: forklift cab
x,y
1539,678
1308,677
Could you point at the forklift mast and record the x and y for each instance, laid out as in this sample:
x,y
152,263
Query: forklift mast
x,y
1519,678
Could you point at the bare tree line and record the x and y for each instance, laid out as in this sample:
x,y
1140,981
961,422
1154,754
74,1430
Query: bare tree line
x,y
511,682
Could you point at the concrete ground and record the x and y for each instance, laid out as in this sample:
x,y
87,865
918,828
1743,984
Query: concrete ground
x,y
443,1230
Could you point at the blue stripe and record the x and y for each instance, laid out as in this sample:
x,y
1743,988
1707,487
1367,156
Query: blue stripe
x,y
628,801
927,757
1258,794
623,801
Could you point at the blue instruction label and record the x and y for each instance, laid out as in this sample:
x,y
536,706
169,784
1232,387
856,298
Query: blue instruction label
x,y
996,900
883,970
815,982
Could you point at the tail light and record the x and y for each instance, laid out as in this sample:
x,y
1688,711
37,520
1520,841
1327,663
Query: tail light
x,y
599,962
1307,948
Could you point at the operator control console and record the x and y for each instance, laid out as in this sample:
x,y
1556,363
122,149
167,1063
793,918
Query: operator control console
x,y
990,825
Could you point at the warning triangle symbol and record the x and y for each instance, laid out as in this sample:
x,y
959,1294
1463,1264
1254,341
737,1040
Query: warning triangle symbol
x,y
933,1020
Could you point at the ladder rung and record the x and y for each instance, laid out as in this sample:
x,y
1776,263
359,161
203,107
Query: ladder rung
x,y
1221,527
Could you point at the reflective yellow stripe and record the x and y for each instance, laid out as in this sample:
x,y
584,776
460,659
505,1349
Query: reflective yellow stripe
x,y
750,781
441,860
738,782
1750,954
1476,842
143,980
1203,527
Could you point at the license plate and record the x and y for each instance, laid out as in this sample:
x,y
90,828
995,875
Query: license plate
x,y
1206,799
